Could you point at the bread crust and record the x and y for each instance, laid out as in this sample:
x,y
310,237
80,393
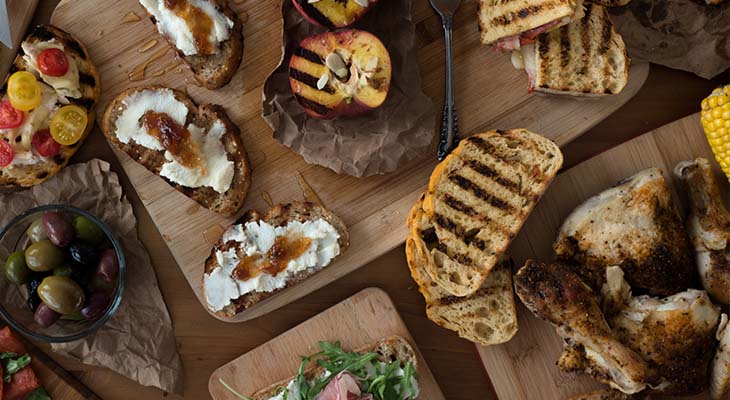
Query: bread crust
x,y
23,177
228,203
279,215
216,70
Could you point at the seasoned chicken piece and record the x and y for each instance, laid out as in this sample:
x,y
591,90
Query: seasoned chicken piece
x,y
635,226
675,335
556,293
720,368
608,394
708,226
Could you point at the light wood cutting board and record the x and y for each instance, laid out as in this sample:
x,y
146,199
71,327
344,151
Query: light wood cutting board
x,y
490,94
525,367
356,322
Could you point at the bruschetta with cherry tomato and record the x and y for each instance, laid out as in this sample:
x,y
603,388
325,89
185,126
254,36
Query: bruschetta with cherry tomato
x,y
46,107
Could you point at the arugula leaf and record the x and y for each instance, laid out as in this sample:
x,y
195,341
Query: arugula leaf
x,y
39,394
6,355
230,389
12,365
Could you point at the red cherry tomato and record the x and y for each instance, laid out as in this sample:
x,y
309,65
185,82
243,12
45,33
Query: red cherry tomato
x,y
44,144
7,153
9,116
53,62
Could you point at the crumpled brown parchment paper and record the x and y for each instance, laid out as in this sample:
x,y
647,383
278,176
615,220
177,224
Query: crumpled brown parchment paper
x,y
138,341
377,142
680,34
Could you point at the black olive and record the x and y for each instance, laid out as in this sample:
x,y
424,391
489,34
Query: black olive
x,y
33,299
84,254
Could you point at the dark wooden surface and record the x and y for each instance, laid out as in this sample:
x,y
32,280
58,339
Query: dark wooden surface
x,y
206,343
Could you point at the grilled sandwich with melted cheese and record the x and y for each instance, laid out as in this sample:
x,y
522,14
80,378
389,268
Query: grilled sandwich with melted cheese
x,y
584,58
510,24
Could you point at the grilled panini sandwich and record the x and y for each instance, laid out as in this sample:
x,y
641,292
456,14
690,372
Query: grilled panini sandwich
x,y
509,24
584,58
476,202
486,317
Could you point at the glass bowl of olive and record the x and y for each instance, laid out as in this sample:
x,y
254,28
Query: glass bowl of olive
x,y
62,273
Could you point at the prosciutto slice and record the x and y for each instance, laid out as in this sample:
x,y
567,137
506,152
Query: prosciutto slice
x,y
344,386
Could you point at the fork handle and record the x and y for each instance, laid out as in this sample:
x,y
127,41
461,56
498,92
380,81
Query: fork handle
x,y
449,123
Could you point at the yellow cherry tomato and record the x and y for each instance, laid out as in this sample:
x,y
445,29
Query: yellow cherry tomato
x,y
68,124
24,91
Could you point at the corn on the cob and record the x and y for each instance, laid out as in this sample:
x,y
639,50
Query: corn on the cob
x,y
716,123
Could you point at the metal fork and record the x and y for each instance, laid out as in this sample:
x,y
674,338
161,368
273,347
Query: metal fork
x,y
449,124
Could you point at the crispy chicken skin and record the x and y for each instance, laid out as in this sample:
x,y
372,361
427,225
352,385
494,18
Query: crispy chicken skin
x,y
720,367
556,294
708,227
635,226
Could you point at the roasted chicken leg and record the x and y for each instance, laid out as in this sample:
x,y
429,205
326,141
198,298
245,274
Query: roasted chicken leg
x,y
709,227
556,293
635,226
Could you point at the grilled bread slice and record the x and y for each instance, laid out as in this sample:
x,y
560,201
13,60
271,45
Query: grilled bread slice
x,y
211,70
390,349
486,317
500,19
204,116
477,200
584,58
19,177
279,215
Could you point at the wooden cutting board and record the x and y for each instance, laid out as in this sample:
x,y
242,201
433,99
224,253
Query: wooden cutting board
x,y
536,347
490,94
20,13
356,322
58,382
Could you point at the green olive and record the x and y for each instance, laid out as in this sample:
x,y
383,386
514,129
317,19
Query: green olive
x,y
43,256
61,294
36,231
87,230
63,270
16,270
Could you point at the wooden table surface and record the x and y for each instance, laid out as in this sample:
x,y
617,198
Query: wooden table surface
x,y
206,343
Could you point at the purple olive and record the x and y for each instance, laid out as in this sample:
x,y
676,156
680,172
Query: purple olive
x,y
108,268
44,316
95,305
59,229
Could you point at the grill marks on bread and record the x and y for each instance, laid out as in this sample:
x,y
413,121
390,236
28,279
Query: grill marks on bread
x,y
503,18
477,200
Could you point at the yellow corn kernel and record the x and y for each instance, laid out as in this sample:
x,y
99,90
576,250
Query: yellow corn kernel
x,y
715,119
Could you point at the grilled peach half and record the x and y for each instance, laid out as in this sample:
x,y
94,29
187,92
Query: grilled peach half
x,y
334,14
344,73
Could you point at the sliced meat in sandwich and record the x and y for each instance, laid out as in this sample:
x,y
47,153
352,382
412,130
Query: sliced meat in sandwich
x,y
509,24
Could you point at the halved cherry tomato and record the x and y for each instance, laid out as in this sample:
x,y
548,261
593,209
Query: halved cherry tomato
x,y
44,144
24,91
7,153
68,124
53,62
9,116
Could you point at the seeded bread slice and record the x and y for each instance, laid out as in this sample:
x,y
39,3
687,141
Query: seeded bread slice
x,y
228,203
477,200
216,70
487,316
390,349
279,215
20,177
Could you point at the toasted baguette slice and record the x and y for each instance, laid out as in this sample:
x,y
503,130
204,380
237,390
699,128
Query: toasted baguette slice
x,y
500,19
20,177
215,70
476,202
390,349
486,317
279,215
228,203
584,58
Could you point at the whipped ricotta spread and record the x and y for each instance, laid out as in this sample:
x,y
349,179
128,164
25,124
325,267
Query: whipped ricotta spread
x,y
67,85
218,171
21,136
256,239
178,29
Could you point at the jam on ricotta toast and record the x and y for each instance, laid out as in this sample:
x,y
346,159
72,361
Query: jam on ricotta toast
x,y
207,35
260,255
46,107
196,149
